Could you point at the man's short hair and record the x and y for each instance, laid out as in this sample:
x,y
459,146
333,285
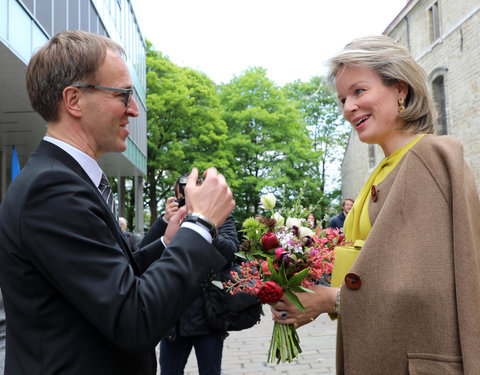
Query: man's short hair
x,y
70,57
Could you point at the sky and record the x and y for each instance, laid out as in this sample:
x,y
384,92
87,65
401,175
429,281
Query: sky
x,y
291,39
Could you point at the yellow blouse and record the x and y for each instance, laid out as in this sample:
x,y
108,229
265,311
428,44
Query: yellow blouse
x,y
357,225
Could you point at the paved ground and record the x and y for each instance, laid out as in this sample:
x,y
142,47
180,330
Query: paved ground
x,y
245,352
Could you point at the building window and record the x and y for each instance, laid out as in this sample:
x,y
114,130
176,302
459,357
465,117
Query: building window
x,y
43,13
434,19
59,17
438,91
371,156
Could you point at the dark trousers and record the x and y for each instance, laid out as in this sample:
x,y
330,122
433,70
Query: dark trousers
x,y
208,350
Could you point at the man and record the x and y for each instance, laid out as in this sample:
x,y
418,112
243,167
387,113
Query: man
x,y
129,236
337,221
77,301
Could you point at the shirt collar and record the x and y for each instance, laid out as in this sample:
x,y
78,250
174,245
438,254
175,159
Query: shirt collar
x,y
89,165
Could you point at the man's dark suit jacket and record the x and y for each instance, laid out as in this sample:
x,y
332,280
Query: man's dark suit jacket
x,y
77,301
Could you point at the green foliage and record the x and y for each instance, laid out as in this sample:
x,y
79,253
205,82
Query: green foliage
x,y
184,126
268,138
259,135
328,132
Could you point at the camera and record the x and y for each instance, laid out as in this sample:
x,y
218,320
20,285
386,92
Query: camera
x,y
181,202
180,188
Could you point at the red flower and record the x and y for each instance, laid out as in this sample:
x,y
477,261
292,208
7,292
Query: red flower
x,y
270,292
269,241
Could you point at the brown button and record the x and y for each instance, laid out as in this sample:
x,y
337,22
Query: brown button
x,y
374,193
353,281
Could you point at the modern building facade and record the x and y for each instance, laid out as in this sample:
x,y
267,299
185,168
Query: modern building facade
x,y
443,36
26,25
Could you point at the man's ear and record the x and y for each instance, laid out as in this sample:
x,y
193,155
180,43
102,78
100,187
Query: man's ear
x,y
71,101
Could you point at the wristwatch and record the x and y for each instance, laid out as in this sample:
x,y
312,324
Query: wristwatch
x,y
200,219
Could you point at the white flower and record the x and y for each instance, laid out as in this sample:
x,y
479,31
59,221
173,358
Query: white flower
x,y
291,221
304,231
268,201
278,218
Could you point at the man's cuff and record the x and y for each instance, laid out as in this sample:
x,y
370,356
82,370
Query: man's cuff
x,y
200,229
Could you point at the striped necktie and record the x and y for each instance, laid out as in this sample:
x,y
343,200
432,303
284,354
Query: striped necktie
x,y
106,191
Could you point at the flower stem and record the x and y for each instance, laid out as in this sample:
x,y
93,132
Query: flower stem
x,y
284,345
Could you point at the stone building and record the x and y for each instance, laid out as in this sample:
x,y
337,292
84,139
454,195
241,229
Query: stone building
x,y
443,36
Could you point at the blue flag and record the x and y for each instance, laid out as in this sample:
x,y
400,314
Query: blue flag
x,y
15,164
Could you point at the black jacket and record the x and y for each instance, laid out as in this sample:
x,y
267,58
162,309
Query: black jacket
x,y
193,322
77,300
337,221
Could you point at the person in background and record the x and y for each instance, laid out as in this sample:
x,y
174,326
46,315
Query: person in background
x,y
77,300
192,329
312,221
132,241
410,304
337,221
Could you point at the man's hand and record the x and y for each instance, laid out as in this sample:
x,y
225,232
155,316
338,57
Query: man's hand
x,y
171,207
174,224
212,199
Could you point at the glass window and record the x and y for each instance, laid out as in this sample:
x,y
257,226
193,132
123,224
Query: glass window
x,y
29,5
93,20
371,156
84,15
19,27
73,14
101,28
43,13
438,90
434,20
38,37
59,16
3,19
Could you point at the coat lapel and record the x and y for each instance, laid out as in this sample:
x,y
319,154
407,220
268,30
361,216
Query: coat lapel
x,y
55,152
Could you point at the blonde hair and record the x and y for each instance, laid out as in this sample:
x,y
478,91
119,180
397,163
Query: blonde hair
x,y
393,63
69,57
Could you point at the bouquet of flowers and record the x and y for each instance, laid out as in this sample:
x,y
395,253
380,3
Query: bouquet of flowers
x,y
283,257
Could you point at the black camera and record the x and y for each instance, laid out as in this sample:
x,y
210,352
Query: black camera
x,y
181,183
181,202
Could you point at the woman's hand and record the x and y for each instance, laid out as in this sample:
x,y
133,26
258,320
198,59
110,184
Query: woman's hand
x,y
322,300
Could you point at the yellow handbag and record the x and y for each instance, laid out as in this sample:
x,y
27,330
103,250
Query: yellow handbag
x,y
344,258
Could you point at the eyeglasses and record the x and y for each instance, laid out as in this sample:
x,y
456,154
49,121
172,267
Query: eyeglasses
x,y
127,92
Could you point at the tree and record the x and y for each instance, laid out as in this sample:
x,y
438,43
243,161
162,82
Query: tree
x,y
268,138
184,126
329,135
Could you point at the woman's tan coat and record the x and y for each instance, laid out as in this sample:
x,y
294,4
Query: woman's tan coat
x,y
418,308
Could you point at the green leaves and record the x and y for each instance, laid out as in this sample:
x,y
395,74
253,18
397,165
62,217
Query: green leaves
x,y
185,127
252,130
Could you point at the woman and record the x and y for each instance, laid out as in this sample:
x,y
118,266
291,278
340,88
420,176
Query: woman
x,y
410,303
312,221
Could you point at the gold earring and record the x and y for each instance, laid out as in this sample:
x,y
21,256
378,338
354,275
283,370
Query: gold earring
x,y
401,107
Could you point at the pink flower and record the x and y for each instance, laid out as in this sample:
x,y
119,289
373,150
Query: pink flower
x,y
279,252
